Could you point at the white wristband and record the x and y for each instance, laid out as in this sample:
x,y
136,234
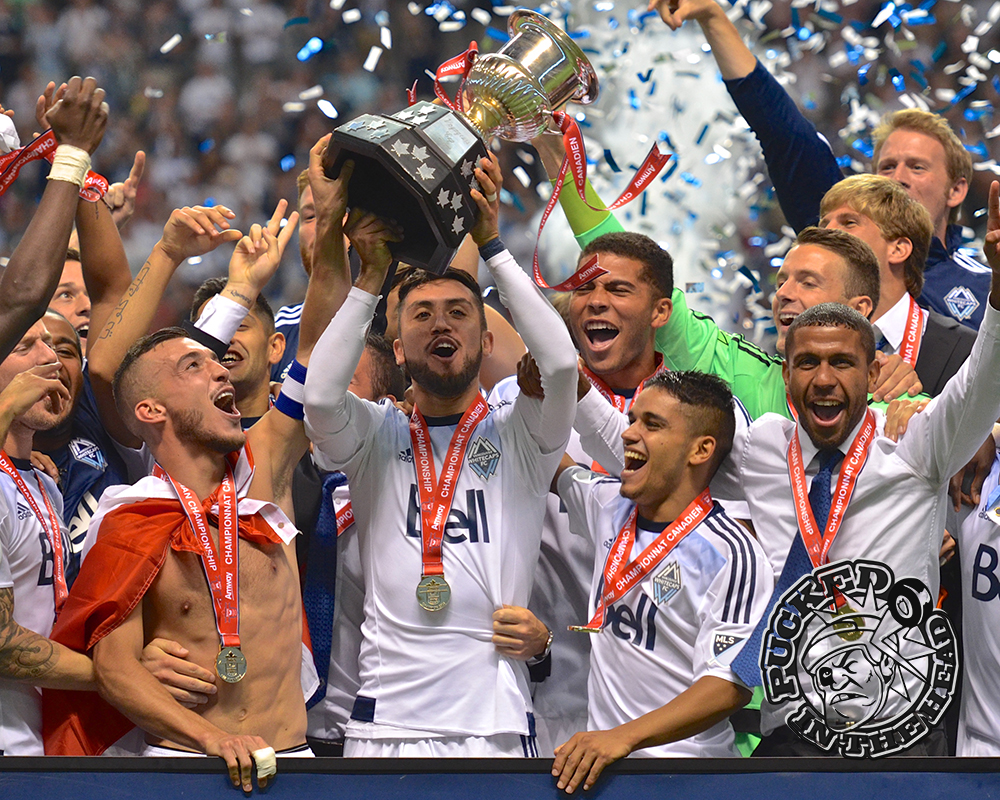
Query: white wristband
x,y
70,164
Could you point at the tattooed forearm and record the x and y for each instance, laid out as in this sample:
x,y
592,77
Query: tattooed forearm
x,y
116,315
24,656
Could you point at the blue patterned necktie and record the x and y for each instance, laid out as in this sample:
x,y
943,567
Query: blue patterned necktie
x,y
320,583
747,662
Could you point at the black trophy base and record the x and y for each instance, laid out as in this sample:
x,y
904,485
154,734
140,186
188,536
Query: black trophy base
x,y
414,167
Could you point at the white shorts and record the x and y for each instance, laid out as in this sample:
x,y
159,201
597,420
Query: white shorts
x,y
500,745
159,751
973,745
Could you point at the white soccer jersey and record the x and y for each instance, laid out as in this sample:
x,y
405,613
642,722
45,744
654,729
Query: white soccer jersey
x,y
328,719
430,671
979,548
686,620
28,556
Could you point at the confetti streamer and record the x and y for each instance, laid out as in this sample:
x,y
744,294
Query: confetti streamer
x,y
170,44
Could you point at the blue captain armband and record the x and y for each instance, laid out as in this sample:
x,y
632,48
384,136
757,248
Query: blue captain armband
x,y
293,392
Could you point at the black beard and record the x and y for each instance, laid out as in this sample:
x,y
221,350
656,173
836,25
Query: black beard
x,y
189,427
446,386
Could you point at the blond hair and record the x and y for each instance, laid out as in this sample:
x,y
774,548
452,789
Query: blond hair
x,y
897,215
958,161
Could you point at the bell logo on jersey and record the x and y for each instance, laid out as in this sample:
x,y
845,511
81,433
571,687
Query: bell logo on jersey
x,y
86,452
667,583
472,521
637,627
483,458
985,584
865,664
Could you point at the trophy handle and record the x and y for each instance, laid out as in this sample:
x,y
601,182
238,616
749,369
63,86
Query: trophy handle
x,y
332,163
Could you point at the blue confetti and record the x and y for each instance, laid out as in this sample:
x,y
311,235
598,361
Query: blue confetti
x,y
919,78
996,84
979,149
973,114
579,34
843,162
745,270
694,288
776,262
796,23
701,135
612,23
642,208
206,146
809,102
918,65
863,74
645,77
633,100
287,162
611,161
670,171
309,49
898,81
687,177
756,241
296,21
864,147
830,16
652,89
511,200
939,51
497,35
963,94
717,273
664,137
803,34
209,202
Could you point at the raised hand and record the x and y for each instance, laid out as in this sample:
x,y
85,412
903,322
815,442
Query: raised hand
x,y
194,231
258,255
675,12
120,196
79,115
370,236
491,180
991,246
329,196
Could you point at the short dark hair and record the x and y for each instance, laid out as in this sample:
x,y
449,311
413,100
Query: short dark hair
x,y
125,386
72,254
421,277
658,266
76,336
213,286
387,376
708,403
832,315
862,278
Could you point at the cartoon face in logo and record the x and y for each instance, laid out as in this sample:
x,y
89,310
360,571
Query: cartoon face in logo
x,y
852,686
859,663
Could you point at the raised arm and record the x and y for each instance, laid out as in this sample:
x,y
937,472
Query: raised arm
x,y
330,279
77,119
800,162
539,324
337,422
188,232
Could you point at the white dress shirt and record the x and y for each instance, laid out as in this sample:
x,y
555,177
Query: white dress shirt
x,y
897,512
891,326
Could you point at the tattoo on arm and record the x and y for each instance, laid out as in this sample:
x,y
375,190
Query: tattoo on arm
x,y
116,315
24,656
240,296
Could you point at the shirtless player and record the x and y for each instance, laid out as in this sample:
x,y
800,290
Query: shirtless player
x,y
176,396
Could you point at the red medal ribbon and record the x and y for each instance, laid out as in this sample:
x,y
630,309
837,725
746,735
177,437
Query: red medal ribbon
x,y
49,523
818,543
459,65
912,335
436,496
223,578
621,578
575,161
44,146
345,518
623,404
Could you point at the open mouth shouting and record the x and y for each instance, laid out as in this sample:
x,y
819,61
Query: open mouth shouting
x,y
231,358
634,461
443,348
225,401
827,412
600,334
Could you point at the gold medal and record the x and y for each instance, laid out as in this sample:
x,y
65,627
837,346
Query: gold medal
x,y
582,629
433,592
231,664
850,630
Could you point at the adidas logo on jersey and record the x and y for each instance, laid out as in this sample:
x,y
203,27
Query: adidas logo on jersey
x,y
23,512
406,456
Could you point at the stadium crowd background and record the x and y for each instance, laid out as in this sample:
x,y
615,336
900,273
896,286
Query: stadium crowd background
x,y
227,96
